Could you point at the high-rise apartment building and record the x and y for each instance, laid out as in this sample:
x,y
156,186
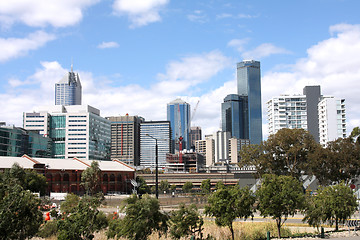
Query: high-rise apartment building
x,y
76,131
322,116
235,146
332,119
178,113
195,135
249,88
233,117
68,90
125,138
149,132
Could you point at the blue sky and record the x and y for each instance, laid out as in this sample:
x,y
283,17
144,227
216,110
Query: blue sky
x,y
135,56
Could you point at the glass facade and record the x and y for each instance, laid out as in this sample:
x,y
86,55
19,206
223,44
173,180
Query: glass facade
x,y
234,114
161,131
178,113
16,142
68,90
249,85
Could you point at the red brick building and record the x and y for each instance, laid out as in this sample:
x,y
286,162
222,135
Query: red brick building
x,y
64,175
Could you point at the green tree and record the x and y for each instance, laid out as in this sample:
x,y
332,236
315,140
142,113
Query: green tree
x,y
334,204
70,204
227,204
186,221
284,153
142,188
20,217
142,217
280,197
187,187
90,178
338,161
355,135
205,186
83,221
219,185
164,185
173,187
27,179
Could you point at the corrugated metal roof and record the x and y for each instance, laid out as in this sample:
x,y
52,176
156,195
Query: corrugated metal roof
x,y
60,164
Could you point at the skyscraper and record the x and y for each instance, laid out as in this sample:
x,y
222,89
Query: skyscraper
x,y
68,90
233,117
149,131
178,113
249,87
125,138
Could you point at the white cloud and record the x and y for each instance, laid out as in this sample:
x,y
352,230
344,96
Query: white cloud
x,y
108,45
264,50
149,102
191,70
238,44
39,13
198,16
15,47
333,64
140,12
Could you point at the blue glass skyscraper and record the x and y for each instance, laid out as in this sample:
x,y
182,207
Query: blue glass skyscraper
x,y
68,90
234,116
249,85
178,113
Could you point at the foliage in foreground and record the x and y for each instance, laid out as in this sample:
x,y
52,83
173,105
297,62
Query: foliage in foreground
x,y
280,197
186,221
333,204
20,217
83,221
142,217
227,204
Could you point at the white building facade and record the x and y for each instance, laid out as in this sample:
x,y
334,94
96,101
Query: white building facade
x,y
291,111
77,131
332,119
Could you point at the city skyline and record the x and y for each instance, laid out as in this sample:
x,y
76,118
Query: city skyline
x,y
135,56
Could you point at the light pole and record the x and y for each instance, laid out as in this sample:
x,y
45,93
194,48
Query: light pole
x,y
156,167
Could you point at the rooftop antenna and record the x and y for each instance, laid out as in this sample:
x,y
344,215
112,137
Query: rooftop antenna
x,y
71,64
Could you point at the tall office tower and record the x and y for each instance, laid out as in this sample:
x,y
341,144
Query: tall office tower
x,y
233,117
326,119
125,138
332,120
68,90
149,131
178,113
77,131
195,134
249,87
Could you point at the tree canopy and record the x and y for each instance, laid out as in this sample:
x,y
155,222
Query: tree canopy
x,y
20,217
187,187
90,178
186,221
205,186
227,204
142,217
334,204
284,153
280,197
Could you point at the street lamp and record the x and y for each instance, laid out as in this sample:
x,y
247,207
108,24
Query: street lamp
x,y
156,166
